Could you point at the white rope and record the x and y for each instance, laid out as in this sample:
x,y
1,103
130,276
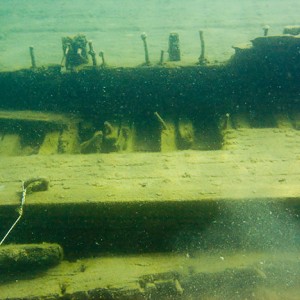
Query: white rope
x,y
20,210
11,228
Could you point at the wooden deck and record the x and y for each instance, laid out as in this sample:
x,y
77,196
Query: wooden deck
x,y
258,163
160,276
136,202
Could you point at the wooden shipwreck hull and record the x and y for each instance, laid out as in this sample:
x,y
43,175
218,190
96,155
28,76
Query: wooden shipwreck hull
x,y
200,163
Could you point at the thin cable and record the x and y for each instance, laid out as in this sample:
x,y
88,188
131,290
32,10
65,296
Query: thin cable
x,y
11,228
20,210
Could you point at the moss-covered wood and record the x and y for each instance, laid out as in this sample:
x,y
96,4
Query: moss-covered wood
x,y
15,258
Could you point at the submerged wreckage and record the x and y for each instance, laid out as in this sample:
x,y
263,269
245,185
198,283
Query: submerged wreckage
x,y
201,161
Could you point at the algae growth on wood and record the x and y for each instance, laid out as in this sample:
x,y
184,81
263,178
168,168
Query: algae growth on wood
x,y
168,158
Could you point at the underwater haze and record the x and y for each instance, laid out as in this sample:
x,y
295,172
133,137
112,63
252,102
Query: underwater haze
x,y
115,27
170,181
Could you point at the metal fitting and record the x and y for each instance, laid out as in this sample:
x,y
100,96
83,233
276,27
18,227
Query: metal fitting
x,y
144,39
174,48
32,56
92,53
